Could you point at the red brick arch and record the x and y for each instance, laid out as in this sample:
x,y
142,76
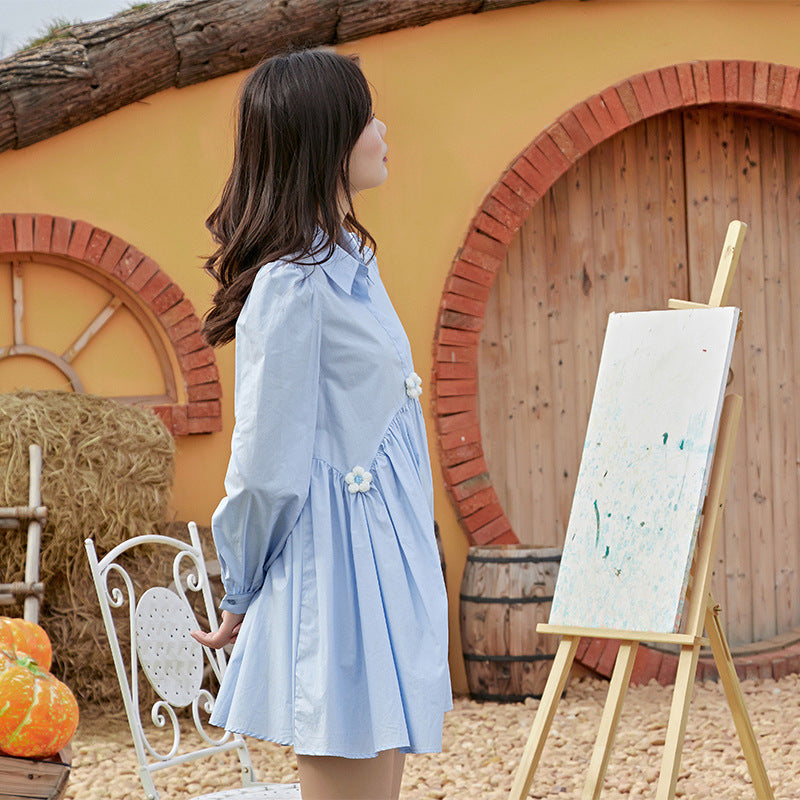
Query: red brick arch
x,y
106,254
771,88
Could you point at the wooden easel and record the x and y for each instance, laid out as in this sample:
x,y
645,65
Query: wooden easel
x,y
703,613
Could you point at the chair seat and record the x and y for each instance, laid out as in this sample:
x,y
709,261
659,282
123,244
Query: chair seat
x,y
264,791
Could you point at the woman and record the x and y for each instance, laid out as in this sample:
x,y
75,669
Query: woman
x,y
334,594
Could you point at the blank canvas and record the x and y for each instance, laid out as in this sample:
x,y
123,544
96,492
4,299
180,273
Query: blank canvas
x,y
644,470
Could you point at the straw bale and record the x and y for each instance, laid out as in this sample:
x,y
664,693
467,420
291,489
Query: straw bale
x,y
107,473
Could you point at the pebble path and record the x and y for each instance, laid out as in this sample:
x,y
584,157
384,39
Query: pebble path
x,y
483,743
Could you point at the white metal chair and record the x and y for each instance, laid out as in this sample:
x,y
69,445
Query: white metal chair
x,y
173,662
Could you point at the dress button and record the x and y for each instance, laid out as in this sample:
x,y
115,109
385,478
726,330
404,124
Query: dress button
x,y
359,480
413,385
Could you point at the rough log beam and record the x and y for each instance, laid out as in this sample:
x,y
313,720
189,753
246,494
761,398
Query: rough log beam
x,y
96,68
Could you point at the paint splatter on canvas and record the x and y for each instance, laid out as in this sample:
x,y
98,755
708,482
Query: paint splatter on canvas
x,y
644,470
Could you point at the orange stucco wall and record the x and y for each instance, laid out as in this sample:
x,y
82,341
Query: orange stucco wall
x,y
460,98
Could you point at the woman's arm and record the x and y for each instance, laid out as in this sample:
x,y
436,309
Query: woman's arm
x,y
277,378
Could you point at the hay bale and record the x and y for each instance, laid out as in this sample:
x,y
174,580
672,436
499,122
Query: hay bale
x,y
107,473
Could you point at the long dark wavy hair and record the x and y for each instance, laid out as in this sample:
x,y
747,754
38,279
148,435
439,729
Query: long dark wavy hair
x,y
299,118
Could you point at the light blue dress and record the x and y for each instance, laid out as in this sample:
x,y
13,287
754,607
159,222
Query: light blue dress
x,y
326,533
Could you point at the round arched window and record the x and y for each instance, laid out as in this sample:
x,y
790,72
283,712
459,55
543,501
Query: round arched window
x,y
87,312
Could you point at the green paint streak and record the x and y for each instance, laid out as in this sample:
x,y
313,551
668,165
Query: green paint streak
x,y
606,553
680,447
666,436
597,517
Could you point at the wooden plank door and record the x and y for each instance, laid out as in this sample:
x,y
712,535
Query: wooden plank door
x,y
639,219
744,167
596,243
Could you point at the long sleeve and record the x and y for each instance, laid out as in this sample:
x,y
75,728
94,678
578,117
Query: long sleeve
x,y
277,381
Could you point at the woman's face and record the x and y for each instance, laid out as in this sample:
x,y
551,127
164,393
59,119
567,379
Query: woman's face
x,y
368,159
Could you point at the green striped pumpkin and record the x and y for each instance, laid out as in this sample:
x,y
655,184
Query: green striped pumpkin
x,y
38,713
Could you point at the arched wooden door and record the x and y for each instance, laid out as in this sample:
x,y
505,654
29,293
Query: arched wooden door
x,y
639,219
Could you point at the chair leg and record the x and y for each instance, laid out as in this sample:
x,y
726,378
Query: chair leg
x,y
150,791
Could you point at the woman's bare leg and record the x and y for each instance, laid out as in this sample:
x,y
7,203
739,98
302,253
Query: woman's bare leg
x,y
397,773
334,778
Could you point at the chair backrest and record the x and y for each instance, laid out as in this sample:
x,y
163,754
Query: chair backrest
x,y
160,621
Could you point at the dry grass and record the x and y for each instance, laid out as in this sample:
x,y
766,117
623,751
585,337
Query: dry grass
x,y
107,474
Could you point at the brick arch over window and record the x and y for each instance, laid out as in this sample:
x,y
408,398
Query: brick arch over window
x,y
92,250
762,87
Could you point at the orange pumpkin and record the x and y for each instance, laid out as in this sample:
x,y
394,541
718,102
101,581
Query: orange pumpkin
x,y
38,713
26,639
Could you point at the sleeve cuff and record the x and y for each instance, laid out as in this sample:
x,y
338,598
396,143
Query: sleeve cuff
x,y
235,603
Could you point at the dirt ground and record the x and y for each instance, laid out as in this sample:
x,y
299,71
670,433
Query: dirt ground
x,y
483,743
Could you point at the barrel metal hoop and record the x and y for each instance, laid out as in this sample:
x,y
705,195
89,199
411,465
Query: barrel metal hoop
x,y
504,698
533,657
508,601
513,559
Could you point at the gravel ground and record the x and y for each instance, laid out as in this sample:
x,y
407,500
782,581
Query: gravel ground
x,y
483,743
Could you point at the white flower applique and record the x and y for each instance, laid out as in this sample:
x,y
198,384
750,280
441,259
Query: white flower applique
x,y
359,480
413,385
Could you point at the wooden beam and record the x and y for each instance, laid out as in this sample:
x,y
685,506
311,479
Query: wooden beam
x,y
712,512
733,692
676,728
46,355
682,305
91,329
631,636
31,605
95,68
620,680
19,302
24,513
728,261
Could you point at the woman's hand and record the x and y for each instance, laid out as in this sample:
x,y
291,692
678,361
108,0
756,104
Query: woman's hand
x,y
226,633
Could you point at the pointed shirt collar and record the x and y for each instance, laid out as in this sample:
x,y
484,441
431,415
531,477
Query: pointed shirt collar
x,y
346,263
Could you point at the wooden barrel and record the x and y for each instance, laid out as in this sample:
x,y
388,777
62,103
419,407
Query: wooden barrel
x,y
441,549
506,591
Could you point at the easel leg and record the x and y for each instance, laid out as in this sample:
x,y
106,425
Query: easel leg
x,y
544,717
676,728
608,724
733,691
